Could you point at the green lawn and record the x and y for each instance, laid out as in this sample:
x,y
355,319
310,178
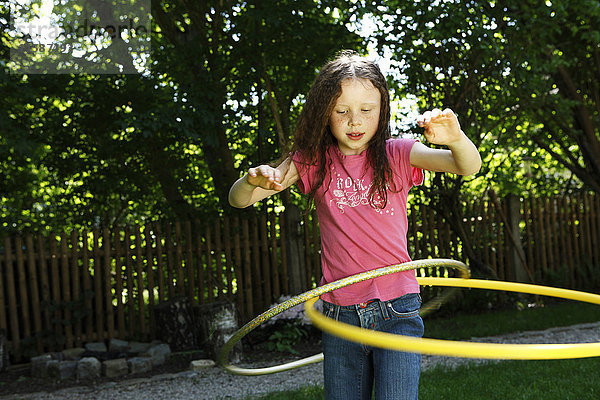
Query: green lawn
x,y
498,323
548,380
535,380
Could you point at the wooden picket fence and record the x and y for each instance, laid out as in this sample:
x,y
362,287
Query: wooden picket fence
x,y
62,290
557,237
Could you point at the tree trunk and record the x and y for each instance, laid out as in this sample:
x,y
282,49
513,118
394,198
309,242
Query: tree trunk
x,y
176,325
218,322
220,163
159,167
516,253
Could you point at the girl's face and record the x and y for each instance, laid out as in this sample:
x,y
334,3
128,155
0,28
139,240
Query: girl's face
x,y
355,115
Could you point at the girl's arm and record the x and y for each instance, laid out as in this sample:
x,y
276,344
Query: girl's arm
x,y
261,182
442,127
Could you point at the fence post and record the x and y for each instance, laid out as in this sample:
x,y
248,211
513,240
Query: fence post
x,y
515,252
295,252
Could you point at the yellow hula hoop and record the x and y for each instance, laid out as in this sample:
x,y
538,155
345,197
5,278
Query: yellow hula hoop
x,y
467,349
222,358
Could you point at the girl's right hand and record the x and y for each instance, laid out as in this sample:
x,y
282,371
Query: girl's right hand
x,y
262,182
266,177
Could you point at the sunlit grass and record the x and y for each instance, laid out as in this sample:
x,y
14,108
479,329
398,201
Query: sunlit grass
x,y
497,323
548,380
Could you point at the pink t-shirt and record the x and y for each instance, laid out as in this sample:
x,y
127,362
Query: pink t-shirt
x,y
356,237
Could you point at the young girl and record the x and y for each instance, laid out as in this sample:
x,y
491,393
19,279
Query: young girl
x,y
358,178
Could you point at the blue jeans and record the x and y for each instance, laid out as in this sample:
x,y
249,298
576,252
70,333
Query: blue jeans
x,y
352,370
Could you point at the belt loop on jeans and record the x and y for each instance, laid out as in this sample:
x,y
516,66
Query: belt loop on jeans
x,y
384,310
336,312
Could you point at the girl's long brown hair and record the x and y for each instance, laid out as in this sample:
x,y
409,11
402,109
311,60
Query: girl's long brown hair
x,y
313,137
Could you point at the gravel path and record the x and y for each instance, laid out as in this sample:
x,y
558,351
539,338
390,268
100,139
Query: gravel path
x,y
214,383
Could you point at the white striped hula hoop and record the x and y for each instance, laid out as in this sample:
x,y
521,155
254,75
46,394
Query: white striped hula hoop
x,y
222,358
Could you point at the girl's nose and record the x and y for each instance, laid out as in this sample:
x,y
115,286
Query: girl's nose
x,y
354,119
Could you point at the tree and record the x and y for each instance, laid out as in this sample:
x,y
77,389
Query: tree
x,y
104,148
73,135
523,77
490,63
446,55
554,52
241,62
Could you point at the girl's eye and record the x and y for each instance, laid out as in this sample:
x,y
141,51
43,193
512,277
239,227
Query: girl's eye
x,y
341,112
366,110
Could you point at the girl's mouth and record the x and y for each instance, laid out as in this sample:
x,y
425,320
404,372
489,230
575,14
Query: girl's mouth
x,y
355,135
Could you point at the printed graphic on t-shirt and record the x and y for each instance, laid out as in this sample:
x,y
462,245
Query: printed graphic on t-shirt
x,y
352,192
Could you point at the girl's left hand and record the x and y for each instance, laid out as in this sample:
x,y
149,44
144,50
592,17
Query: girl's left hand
x,y
441,127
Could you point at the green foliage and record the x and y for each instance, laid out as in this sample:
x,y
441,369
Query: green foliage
x,y
227,81
287,335
100,150
521,77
